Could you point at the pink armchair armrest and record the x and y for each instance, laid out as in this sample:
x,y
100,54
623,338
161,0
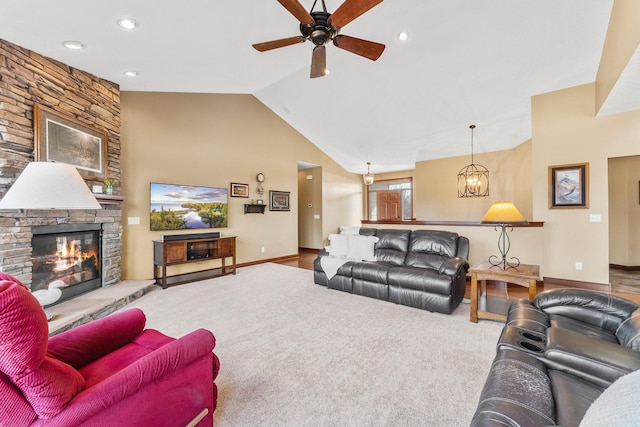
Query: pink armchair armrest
x,y
86,343
158,379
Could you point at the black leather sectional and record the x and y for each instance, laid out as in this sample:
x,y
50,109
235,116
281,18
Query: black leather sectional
x,y
556,357
425,269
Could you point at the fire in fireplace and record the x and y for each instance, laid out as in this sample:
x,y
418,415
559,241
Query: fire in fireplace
x,y
69,253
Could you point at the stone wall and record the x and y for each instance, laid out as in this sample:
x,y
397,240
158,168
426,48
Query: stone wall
x,y
27,78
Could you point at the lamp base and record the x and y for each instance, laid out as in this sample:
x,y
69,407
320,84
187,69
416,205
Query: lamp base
x,y
494,260
504,244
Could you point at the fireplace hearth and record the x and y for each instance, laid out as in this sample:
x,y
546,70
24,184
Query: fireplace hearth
x,y
70,253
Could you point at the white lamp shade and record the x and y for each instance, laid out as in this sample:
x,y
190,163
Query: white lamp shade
x,y
49,185
503,213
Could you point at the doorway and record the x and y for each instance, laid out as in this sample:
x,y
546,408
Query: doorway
x,y
624,223
310,206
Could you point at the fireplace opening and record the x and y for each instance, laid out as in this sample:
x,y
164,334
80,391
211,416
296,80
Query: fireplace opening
x,y
67,253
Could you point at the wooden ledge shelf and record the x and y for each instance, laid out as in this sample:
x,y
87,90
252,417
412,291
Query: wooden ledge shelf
x,y
108,199
250,208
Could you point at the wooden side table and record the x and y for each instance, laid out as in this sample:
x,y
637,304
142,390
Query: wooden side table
x,y
526,275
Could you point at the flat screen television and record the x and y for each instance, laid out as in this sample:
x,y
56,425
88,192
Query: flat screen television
x,y
183,207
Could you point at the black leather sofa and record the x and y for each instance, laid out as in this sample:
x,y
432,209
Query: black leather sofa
x,y
424,269
559,355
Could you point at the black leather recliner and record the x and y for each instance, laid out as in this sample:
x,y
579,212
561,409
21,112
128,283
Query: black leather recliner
x,y
425,269
556,356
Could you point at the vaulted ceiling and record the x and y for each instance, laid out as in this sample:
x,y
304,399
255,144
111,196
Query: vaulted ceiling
x,y
464,62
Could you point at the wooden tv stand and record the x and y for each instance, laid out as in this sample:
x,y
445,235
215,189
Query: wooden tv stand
x,y
191,249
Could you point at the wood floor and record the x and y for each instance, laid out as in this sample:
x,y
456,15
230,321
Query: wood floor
x,y
625,284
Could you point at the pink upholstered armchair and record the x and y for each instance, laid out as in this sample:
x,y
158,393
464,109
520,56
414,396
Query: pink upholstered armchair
x,y
109,372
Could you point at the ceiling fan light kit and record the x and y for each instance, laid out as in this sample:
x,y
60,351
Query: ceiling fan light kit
x,y
322,27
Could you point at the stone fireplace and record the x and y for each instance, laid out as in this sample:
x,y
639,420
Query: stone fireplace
x,y
82,248
69,254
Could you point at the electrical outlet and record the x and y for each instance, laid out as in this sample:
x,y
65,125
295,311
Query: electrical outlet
x,y
595,218
578,265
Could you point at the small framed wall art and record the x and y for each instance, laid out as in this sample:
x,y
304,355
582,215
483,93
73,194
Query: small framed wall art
x,y
569,186
279,201
66,140
239,190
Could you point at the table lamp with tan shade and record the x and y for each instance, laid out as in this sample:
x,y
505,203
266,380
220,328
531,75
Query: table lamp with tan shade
x,y
504,214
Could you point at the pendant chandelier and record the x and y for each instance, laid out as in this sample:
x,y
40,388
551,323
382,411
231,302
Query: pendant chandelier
x,y
473,180
368,178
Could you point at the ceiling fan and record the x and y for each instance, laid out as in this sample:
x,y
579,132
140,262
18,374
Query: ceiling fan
x,y
321,27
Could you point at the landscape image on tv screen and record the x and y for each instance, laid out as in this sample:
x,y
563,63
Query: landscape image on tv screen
x,y
182,207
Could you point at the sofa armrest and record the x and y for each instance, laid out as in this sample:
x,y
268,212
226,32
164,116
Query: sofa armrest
x,y
86,343
453,266
588,357
167,360
598,309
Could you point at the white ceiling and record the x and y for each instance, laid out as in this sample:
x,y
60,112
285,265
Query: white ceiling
x,y
465,62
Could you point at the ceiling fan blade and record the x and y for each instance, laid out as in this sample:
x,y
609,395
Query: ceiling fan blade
x,y
350,10
370,50
297,10
275,44
319,62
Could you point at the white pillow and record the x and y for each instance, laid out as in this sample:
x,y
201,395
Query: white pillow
x,y
617,406
349,230
361,247
339,245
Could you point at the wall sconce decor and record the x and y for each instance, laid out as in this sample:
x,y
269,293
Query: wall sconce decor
x,y
473,180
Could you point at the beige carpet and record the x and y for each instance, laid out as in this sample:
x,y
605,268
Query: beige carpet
x,y
297,354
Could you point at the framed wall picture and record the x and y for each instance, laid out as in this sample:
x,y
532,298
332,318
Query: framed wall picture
x,y
239,190
569,186
279,201
66,140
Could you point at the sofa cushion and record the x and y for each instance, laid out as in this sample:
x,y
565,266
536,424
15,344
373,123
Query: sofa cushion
x,y
431,249
434,242
628,333
422,279
582,327
572,396
392,246
376,272
46,383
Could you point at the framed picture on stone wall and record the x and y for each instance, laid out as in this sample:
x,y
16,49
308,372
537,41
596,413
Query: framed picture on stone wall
x,y
64,139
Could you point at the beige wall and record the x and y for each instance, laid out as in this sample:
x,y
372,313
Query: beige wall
x,y
212,140
435,185
623,38
565,131
624,211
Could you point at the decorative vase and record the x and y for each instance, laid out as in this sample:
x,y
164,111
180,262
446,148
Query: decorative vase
x,y
109,189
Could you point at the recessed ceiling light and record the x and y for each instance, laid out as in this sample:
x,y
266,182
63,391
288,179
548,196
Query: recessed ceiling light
x,y
403,35
73,44
128,23
131,73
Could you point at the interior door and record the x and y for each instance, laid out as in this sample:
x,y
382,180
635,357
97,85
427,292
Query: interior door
x,y
390,205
